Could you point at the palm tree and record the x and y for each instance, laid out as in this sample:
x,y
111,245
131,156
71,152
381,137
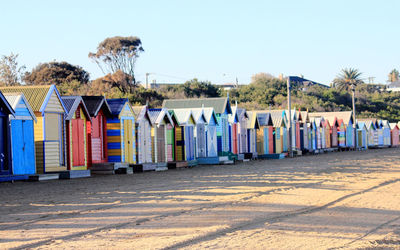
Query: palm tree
x,y
348,79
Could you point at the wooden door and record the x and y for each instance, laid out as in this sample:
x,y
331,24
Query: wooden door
x,y
234,138
97,142
4,164
201,140
128,142
78,142
23,147
179,146
170,143
160,143
212,141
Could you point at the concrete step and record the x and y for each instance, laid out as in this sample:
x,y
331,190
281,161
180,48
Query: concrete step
x,y
44,177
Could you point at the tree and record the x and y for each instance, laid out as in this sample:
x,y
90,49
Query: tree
x,y
196,88
118,53
56,73
10,73
349,78
393,76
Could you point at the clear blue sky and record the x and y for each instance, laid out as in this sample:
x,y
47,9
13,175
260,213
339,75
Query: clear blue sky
x,y
211,40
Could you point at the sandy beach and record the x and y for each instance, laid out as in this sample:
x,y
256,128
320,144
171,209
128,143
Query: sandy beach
x,y
347,200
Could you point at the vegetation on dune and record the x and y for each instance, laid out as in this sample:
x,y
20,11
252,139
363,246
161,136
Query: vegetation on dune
x,y
117,56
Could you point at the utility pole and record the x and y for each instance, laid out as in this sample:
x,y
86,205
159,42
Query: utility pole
x,y
147,80
289,88
353,90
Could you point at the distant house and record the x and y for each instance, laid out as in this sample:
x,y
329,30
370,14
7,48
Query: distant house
x,y
393,86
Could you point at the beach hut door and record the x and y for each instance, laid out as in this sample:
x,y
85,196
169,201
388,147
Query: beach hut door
x,y
78,143
161,143
201,140
128,142
4,169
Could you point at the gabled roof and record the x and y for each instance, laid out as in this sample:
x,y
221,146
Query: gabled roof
x,y
253,120
393,126
183,116
318,121
264,118
116,105
242,113
369,121
219,104
141,112
346,116
278,118
198,114
304,116
15,98
4,103
384,123
159,115
361,125
325,123
232,118
37,95
72,103
95,103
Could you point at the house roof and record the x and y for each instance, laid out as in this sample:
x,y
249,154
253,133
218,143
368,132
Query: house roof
x,y
95,103
72,103
346,116
37,95
219,104
15,98
159,115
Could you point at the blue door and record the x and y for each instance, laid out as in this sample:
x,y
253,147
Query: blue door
x,y
4,164
23,147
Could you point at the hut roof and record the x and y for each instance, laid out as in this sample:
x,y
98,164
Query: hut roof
x,y
304,116
242,113
95,103
5,104
345,116
253,122
159,115
116,105
15,98
278,118
72,103
37,95
318,121
264,118
183,116
219,104
141,112
369,121
393,125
